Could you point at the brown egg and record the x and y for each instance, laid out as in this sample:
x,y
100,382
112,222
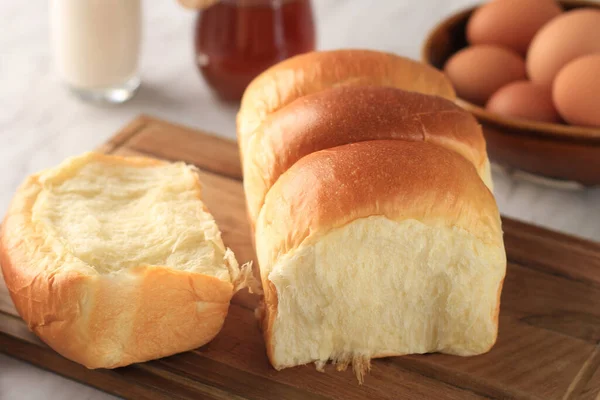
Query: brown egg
x,y
478,71
510,23
524,99
576,91
570,35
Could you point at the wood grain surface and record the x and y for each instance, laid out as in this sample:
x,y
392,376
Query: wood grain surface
x,y
548,345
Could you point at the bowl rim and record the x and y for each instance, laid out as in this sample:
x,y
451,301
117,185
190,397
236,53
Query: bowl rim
x,y
545,129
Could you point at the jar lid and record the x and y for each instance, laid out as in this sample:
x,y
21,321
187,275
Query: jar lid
x,y
197,4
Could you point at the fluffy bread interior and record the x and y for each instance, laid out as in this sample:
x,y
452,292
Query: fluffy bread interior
x,y
377,287
113,260
114,216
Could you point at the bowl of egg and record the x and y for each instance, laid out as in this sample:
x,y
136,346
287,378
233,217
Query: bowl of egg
x,y
529,71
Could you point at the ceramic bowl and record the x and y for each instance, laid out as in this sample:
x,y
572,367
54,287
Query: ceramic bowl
x,y
556,151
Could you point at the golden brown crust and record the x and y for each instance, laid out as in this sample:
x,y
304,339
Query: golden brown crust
x,y
345,115
104,320
327,139
397,179
268,312
312,72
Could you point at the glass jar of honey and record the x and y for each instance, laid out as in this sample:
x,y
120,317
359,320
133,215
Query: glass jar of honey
x,y
235,40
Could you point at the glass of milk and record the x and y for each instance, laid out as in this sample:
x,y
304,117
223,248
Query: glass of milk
x,y
96,46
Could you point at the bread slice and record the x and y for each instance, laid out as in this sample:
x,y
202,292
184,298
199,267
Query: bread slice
x,y
376,249
113,260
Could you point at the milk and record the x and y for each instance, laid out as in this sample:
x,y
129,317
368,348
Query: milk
x,y
96,43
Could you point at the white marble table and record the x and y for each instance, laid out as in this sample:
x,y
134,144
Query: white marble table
x,y
40,123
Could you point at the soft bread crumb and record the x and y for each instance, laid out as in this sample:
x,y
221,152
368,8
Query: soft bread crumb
x,y
320,365
113,216
242,277
361,365
420,288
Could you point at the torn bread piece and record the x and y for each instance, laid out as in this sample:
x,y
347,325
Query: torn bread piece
x,y
113,260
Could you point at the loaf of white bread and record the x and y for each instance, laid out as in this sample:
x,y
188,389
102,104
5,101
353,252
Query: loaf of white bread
x,y
375,228
114,260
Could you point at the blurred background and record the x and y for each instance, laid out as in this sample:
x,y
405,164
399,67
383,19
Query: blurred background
x,y
41,122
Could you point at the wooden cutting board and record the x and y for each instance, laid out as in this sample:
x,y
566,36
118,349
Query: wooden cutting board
x,y
548,345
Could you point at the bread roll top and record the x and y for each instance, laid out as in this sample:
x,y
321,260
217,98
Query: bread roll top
x,y
316,71
375,227
397,179
346,115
